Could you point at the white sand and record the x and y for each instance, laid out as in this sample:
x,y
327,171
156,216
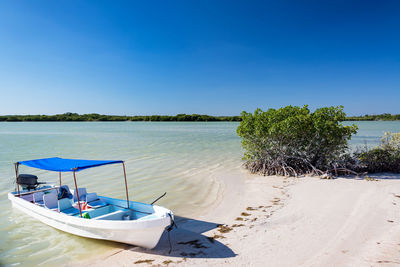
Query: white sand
x,y
303,222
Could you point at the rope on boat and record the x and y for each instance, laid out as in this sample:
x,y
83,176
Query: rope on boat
x,y
158,198
170,227
169,241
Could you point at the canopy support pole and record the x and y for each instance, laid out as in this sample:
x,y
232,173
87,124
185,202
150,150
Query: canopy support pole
x,y
16,176
59,175
77,195
126,185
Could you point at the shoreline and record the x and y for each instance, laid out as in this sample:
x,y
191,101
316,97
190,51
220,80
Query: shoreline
x,y
285,221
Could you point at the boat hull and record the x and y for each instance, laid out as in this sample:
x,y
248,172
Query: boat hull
x,y
143,233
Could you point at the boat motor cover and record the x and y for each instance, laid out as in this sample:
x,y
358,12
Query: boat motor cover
x,y
27,179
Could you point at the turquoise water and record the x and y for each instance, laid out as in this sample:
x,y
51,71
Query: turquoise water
x,y
181,158
370,132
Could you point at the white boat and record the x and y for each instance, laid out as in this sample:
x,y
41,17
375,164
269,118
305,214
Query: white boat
x,y
86,214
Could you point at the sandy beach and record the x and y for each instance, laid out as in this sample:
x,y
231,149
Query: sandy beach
x,y
277,221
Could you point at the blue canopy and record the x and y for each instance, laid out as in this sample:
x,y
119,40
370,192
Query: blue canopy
x,y
66,165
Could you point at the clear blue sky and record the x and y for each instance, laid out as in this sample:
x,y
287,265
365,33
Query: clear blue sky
x,y
207,57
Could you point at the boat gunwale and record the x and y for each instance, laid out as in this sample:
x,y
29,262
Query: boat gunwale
x,y
80,221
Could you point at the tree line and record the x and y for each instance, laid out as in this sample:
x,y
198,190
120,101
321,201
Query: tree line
x,y
180,117
98,117
380,117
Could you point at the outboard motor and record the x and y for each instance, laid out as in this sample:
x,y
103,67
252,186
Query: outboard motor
x,y
28,181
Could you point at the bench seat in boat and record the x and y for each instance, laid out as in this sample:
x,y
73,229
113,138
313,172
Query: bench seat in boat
x,y
94,201
116,215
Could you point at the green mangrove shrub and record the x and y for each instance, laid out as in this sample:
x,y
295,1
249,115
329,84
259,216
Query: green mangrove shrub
x,y
383,158
293,141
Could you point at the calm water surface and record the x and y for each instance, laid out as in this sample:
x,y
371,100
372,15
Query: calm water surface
x,y
180,158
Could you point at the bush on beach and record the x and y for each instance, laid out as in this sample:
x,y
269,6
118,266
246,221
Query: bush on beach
x,y
383,158
292,141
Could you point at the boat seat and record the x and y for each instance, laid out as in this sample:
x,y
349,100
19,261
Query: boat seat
x,y
82,194
94,201
65,206
116,215
28,197
50,201
38,198
51,191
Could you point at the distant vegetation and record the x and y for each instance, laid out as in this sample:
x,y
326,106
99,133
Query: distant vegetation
x,y
381,117
293,141
97,117
180,117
